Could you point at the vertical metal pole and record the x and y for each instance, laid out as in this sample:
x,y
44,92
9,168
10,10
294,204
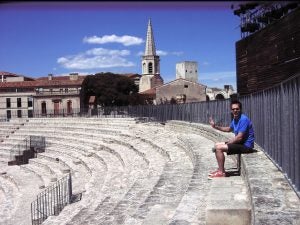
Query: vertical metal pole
x,y
70,188
32,212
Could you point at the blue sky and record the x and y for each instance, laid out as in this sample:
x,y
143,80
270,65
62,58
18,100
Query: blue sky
x,y
38,38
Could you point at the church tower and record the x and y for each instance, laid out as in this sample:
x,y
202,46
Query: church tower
x,y
150,64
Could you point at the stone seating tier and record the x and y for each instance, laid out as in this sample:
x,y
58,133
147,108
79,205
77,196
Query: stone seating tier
x,y
22,193
138,173
146,169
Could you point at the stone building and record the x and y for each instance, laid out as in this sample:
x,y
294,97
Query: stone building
x,y
218,93
22,97
150,64
180,91
187,70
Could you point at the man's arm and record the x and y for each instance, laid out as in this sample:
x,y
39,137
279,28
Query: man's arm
x,y
224,129
237,139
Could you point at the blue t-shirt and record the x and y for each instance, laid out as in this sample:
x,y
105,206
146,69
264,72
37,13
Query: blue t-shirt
x,y
244,125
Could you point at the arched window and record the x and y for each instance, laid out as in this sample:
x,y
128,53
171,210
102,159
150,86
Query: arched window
x,y
150,68
219,97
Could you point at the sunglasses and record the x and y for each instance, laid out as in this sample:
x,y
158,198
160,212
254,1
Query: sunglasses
x,y
235,109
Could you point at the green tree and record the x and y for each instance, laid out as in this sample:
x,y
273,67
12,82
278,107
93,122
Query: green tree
x,y
110,90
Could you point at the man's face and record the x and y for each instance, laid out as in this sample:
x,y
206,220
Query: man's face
x,y
235,110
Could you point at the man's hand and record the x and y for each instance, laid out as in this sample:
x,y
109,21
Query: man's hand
x,y
212,122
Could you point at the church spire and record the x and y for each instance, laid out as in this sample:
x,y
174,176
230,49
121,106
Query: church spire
x,y
150,64
150,45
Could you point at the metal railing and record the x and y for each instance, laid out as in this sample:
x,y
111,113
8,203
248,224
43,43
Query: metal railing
x,y
276,117
26,149
52,200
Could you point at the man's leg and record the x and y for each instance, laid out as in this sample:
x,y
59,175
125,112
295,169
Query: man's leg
x,y
220,149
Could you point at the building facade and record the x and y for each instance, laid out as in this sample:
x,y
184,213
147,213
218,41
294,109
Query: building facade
x,y
180,91
45,96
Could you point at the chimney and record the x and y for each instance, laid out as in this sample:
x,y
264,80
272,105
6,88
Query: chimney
x,y
73,76
50,76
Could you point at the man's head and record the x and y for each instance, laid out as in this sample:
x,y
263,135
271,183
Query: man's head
x,y
236,108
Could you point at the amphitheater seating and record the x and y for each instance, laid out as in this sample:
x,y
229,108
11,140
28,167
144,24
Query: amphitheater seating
x,y
121,167
128,172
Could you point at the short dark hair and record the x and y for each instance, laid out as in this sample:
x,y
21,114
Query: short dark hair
x,y
236,102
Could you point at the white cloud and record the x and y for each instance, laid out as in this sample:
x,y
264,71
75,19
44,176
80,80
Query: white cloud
x,y
177,53
96,58
68,74
205,63
125,40
103,51
140,53
162,53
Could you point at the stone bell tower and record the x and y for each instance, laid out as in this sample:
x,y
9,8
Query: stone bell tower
x,y
150,64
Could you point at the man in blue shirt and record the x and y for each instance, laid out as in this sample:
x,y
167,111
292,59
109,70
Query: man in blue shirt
x,y
243,141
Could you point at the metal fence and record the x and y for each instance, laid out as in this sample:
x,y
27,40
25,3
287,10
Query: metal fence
x,y
51,201
276,117
37,143
26,149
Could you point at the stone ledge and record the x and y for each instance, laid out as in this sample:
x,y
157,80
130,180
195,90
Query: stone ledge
x,y
228,202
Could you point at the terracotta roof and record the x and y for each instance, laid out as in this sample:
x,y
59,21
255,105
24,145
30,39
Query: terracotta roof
x,y
8,74
60,78
44,82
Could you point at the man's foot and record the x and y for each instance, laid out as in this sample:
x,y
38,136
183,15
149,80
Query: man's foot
x,y
213,172
217,175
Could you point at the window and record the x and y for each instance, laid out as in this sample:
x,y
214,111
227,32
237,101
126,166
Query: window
x,y
8,105
44,109
150,68
19,112
8,114
19,102
66,90
29,101
186,86
69,107
30,113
